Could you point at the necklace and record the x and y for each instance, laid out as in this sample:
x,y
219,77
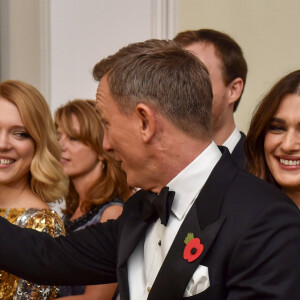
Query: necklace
x,y
71,226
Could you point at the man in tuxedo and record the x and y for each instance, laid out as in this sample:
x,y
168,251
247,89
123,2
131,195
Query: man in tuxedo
x,y
199,227
227,67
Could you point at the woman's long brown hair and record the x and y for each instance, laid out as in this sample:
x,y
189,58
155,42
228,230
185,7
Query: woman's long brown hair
x,y
112,182
261,120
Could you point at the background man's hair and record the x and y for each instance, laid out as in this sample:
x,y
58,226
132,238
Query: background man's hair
x,y
227,49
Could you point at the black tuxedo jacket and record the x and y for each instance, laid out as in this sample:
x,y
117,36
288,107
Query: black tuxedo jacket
x,y
238,153
249,229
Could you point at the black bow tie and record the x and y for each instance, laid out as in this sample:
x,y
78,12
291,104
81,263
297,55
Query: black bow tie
x,y
157,206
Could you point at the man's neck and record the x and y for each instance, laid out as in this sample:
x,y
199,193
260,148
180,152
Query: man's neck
x,y
174,156
221,134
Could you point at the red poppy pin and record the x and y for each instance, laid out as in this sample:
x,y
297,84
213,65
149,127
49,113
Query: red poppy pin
x,y
193,248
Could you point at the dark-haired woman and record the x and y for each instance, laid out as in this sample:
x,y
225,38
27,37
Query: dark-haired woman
x,y
273,140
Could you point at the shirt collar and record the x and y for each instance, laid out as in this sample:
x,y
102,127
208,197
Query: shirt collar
x,y
189,182
233,139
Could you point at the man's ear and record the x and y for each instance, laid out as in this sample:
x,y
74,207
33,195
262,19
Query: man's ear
x,y
235,89
146,119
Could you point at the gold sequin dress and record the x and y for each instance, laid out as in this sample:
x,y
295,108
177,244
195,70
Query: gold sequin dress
x,y
43,220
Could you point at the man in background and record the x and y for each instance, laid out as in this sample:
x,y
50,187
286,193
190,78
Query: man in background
x,y
227,67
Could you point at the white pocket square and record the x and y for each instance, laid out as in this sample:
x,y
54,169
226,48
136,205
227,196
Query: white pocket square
x,y
198,283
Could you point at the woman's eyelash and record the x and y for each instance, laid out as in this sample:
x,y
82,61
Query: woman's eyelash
x,y
23,134
276,127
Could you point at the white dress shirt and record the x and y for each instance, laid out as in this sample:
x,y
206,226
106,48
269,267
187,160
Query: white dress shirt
x,y
147,258
233,139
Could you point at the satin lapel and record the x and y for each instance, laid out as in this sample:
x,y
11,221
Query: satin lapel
x,y
133,230
204,221
239,155
176,272
210,199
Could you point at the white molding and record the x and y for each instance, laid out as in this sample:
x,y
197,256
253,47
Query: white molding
x,y
45,50
4,41
164,19
172,11
158,26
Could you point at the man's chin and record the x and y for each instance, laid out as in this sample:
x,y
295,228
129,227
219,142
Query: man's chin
x,y
132,182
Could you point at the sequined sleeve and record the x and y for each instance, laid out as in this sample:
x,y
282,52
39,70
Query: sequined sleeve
x,y
43,220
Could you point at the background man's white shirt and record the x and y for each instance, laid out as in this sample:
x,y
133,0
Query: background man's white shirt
x,y
233,139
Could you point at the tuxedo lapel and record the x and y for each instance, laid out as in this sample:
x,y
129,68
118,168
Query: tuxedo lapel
x,y
210,199
238,154
133,230
176,272
204,222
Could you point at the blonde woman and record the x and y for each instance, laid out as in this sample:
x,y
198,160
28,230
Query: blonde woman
x,y
98,186
30,174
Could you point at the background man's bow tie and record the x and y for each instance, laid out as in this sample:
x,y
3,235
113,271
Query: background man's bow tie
x,y
157,206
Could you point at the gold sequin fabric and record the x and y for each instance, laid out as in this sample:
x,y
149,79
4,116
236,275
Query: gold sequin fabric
x,y
43,220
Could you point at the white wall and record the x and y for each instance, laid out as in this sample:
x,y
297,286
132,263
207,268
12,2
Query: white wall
x,y
83,32
20,41
54,45
267,31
